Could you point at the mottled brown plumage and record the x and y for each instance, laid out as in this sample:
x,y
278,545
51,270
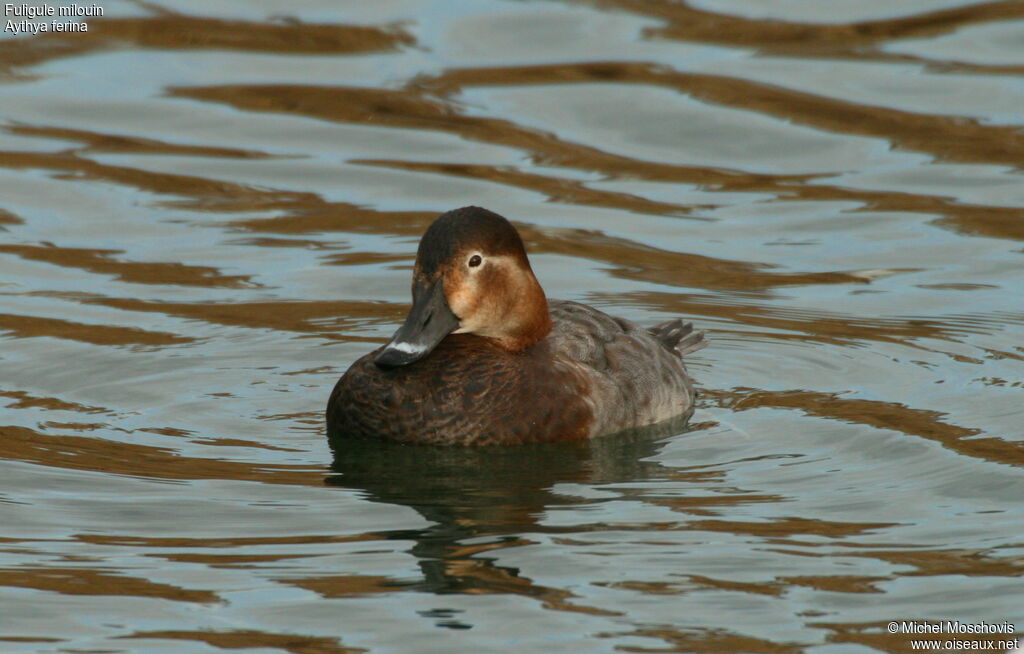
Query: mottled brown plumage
x,y
526,370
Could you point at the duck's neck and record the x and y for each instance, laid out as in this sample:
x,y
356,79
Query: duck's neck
x,y
531,321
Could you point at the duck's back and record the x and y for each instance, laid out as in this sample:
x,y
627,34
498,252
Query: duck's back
x,y
591,375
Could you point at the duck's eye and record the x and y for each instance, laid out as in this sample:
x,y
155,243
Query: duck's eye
x,y
475,261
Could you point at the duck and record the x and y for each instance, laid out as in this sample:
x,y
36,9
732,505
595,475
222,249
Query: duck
x,y
485,358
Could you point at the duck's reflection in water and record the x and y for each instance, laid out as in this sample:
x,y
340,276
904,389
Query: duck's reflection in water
x,y
484,499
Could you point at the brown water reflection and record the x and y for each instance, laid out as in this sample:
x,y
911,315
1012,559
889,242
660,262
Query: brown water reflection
x,y
102,262
37,327
859,39
208,212
885,415
120,458
77,581
242,639
953,139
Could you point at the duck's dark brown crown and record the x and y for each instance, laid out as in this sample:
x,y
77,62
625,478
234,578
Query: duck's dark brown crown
x,y
469,229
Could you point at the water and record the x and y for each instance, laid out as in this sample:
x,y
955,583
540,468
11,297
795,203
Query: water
x,y
209,210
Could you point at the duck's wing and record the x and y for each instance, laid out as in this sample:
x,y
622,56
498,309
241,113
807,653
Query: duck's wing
x,y
633,378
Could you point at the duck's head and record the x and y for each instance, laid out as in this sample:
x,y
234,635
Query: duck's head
x,y
471,277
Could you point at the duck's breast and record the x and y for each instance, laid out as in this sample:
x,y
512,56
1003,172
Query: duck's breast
x,y
468,391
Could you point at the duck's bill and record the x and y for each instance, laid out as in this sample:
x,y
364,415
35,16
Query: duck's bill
x,y
429,321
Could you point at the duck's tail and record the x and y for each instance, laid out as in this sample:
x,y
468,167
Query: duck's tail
x,y
679,336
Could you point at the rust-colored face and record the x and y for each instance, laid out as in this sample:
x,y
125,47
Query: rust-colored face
x,y
471,276
483,292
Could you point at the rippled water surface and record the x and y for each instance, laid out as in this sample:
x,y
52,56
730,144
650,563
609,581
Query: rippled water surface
x,y
209,210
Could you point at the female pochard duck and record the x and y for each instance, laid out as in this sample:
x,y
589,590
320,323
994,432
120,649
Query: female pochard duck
x,y
484,358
